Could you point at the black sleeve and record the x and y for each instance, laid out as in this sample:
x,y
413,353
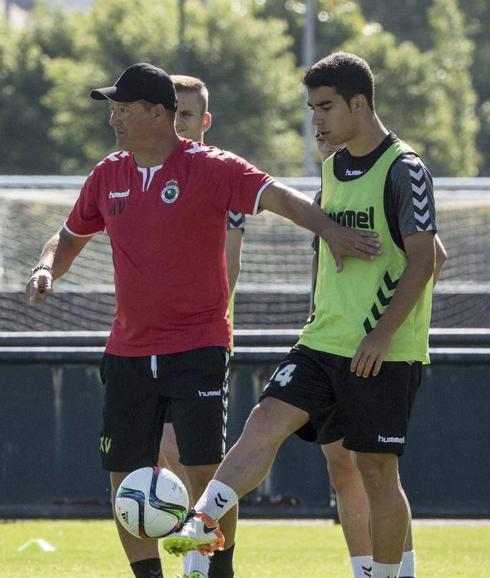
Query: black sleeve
x,y
409,199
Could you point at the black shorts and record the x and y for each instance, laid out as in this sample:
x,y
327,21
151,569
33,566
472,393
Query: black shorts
x,y
138,391
370,414
168,415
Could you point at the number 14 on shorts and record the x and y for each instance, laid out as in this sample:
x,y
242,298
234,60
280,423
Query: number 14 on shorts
x,y
283,375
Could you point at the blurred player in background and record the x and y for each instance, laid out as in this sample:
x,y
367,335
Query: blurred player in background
x,y
350,496
192,121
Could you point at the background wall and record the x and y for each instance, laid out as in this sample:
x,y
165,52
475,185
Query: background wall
x,y
50,404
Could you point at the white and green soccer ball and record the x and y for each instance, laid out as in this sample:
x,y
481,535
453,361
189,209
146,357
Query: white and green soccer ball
x,y
151,503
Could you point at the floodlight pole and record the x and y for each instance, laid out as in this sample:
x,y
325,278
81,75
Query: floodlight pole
x,y
310,168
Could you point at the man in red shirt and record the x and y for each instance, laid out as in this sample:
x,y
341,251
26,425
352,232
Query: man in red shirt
x,y
163,201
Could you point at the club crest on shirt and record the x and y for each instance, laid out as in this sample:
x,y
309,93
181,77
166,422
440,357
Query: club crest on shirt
x,y
170,192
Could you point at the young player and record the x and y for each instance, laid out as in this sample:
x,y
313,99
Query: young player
x,y
355,370
351,498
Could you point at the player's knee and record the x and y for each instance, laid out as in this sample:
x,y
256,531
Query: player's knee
x,y
264,427
341,469
342,473
257,425
378,471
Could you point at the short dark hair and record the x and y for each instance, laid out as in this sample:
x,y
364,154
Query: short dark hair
x,y
347,73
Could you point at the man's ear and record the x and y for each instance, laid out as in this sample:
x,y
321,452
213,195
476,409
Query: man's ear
x,y
358,102
207,121
158,110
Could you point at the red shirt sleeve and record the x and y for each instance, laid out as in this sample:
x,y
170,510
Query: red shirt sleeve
x,y
245,184
85,218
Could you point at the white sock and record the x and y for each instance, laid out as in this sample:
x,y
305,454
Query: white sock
x,y
362,566
407,569
196,561
385,570
216,500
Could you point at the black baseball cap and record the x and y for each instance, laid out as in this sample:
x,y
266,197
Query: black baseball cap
x,y
141,81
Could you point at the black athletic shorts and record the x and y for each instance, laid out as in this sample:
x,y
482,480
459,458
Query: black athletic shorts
x,y
168,415
369,414
138,391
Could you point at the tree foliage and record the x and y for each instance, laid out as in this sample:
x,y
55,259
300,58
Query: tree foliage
x,y
477,13
249,52
424,98
444,29
246,63
406,19
451,57
25,118
335,22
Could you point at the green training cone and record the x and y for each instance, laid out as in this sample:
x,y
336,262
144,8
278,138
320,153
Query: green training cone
x,y
36,545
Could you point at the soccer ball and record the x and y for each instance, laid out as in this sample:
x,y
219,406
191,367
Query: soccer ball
x,y
151,503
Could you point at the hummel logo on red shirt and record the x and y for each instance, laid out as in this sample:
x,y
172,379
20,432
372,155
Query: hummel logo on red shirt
x,y
119,195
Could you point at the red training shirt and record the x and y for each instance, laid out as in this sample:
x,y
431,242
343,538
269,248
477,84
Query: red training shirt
x,y
167,229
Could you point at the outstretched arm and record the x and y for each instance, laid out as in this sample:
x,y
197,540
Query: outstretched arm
x,y
57,255
303,211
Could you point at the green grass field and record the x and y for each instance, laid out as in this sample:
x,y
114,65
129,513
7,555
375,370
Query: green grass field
x,y
283,550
